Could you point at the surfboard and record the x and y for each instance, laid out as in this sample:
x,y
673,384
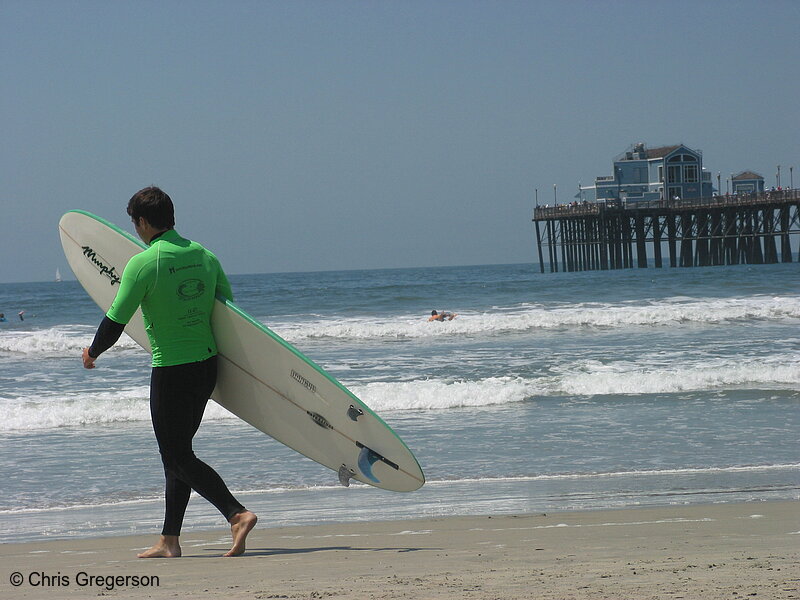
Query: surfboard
x,y
262,378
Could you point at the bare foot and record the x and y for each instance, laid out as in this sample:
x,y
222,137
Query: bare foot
x,y
167,547
241,524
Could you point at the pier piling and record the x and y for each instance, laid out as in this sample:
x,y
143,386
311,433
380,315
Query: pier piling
x,y
721,230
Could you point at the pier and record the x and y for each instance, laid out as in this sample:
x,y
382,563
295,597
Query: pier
x,y
720,230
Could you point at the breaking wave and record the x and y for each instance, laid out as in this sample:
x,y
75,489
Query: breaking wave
x,y
532,317
67,341
584,379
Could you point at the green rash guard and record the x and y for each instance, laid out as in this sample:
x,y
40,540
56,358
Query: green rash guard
x,y
175,281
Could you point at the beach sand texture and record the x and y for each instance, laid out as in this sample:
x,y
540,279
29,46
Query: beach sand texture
x,y
730,551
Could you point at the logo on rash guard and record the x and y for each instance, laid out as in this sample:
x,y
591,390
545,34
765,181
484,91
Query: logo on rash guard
x,y
189,289
99,263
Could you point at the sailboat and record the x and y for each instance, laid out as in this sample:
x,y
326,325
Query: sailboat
x,y
58,274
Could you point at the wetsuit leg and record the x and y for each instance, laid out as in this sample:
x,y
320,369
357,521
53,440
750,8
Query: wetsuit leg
x,y
178,397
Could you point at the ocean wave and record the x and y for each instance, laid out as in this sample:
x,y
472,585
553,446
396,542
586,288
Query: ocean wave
x,y
80,409
54,342
614,474
131,405
627,378
431,394
66,340
315,488
589,378
531,317
580,379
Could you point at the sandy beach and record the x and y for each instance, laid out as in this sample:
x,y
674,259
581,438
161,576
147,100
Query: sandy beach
x,y
747,550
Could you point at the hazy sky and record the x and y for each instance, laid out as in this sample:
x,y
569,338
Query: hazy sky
x,y
317,135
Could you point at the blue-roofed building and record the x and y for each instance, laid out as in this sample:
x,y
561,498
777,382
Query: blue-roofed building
x,y
747,182
642,173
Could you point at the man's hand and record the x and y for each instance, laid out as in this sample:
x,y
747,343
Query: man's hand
x,y
88,361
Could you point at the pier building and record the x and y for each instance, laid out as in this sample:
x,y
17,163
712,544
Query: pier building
x,y
747,182
647,174
662,199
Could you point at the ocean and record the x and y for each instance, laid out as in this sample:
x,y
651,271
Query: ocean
x,y
548,392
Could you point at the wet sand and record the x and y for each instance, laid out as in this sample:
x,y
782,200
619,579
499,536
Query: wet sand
x,y
708,552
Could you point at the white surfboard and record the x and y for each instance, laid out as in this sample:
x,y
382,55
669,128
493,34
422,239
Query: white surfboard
x,y
262,379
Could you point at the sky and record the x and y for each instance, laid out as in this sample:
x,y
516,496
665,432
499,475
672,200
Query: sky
x,y
326,135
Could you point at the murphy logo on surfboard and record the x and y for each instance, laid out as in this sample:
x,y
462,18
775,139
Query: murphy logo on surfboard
x,y
99,264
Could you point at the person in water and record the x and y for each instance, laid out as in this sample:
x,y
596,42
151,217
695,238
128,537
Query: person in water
x,y
175,281
2,318
442,316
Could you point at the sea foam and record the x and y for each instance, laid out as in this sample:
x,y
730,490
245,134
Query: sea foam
x,y
54,342
66,340
582,379
81,409
530,317
588,378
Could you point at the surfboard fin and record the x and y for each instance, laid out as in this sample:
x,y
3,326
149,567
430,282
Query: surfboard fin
x,y
367,458
345,475
354,412
375,457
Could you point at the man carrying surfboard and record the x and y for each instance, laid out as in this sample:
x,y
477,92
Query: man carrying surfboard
x,y
175,282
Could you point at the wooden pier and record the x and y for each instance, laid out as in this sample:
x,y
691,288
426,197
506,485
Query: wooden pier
x,y
722,230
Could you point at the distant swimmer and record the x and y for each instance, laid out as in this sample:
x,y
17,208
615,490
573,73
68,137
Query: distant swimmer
x,y
2,318
21,317
442,316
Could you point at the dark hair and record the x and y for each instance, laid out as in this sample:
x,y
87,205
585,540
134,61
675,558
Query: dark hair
x,y
433,313
154,205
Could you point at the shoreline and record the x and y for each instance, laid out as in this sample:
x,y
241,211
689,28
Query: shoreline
x,y
712,551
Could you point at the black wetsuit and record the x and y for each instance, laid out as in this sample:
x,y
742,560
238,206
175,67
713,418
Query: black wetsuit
x,y
178,397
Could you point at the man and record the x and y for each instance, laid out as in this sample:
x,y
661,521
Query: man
x,y
441,316
175,282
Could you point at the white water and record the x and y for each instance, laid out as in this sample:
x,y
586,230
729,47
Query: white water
x,y
583,378
530,317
